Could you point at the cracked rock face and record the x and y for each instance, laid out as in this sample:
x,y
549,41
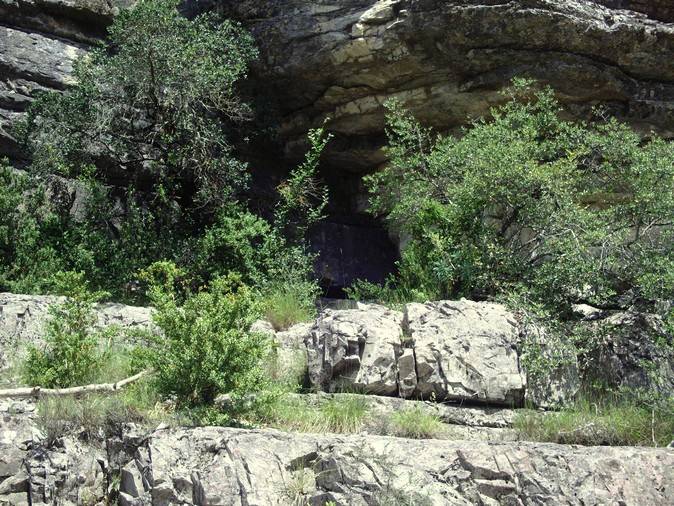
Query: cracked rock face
x,y
448,350
636,352
465,350
238,467
356,349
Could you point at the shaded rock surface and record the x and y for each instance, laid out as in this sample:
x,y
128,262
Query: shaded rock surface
x,y
632,350
39,42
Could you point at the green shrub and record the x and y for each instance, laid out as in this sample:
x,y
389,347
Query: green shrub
x,y
206,348
572,211
416,423
154,110
72,350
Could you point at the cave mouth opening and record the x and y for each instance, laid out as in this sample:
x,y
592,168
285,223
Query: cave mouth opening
x,y
350,248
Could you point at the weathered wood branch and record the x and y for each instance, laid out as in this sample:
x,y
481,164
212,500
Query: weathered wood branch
x,y
37,392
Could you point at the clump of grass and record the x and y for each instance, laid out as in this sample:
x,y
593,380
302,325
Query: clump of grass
x,y
301,483
287,305
286,368
602,423
345,414
416,423
93,415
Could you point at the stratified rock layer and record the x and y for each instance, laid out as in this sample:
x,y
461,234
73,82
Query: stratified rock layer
x,y
447,60
39,42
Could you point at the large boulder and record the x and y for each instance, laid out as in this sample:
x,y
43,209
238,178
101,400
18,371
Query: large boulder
x,y
448,350
465,350
238,467
356,349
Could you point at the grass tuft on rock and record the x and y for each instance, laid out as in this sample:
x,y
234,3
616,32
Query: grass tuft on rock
x,y
346,414
600,424
416,423
287,305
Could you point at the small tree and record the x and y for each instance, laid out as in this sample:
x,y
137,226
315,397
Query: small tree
x,y
72,350
206,347
156,103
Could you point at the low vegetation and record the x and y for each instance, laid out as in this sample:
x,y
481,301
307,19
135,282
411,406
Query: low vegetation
x,y
615,422
74,352
343,414
416,423
95,416
205,347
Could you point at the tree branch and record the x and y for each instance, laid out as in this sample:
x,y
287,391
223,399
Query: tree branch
x,y
38,392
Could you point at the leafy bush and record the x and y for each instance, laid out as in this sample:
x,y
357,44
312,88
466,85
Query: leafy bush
x,y
206,347
49,224
72,350
572,211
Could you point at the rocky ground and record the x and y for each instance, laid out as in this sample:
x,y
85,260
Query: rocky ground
x,y
268,467
462,357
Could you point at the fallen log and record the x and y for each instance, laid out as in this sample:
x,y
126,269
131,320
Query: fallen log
x,y
37,392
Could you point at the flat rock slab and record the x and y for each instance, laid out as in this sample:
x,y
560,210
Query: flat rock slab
x,y
252,467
